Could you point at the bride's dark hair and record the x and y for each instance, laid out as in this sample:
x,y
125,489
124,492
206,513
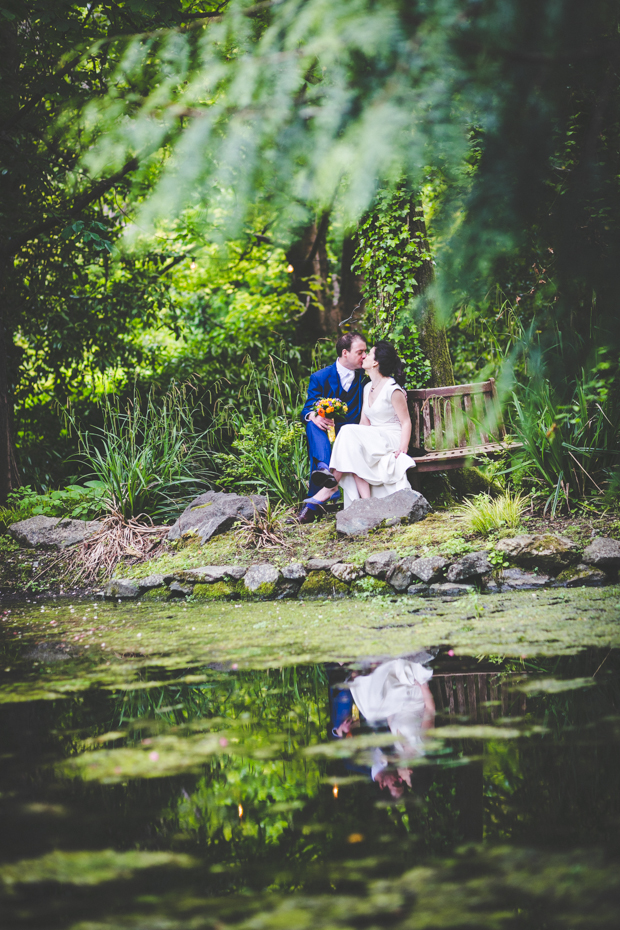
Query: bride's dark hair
x,y
390,365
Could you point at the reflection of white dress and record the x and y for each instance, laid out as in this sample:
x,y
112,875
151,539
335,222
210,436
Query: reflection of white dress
x,y
392,692
368,451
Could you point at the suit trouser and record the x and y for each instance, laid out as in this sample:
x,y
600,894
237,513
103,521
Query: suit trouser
x,y
320,450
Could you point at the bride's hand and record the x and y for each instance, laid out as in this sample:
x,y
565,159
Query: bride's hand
x,y
400,452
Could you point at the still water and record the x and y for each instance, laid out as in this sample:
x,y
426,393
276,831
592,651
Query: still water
x,y
430,789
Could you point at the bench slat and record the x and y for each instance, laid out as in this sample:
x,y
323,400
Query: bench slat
x,y
437,423
447,413
426,419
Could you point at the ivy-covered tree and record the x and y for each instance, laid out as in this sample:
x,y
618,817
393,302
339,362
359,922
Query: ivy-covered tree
x,y
394,258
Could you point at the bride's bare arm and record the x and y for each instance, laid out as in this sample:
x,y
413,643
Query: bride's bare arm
x,y
364,421
399,402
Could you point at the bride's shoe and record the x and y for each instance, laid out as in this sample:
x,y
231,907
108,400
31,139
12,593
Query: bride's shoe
x,y
323,478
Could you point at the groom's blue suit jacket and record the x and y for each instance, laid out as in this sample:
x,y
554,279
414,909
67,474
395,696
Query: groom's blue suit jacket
x,y
326,383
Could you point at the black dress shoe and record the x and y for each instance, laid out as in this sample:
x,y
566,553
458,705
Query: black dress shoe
x,y
323,478
310,514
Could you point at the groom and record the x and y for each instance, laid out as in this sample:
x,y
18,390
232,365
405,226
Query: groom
x,y
344,380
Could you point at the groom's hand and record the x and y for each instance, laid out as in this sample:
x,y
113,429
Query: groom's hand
x,y
322,422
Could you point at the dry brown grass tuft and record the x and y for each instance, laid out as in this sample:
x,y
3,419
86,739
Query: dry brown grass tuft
x,y
117,540
267,530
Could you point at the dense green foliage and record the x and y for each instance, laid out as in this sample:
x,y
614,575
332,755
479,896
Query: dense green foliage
x,y
159,160
389,255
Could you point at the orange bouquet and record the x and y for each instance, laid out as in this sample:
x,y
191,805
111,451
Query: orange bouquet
x,y
330,407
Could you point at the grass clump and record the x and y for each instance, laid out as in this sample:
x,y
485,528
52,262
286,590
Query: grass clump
x,y
482,514
148,458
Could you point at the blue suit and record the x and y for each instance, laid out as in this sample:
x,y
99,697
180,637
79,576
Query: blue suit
x,y
326,383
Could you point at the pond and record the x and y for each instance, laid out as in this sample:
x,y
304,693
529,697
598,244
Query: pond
x,y
328,764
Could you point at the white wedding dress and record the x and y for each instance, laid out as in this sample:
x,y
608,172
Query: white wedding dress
x,y
368,451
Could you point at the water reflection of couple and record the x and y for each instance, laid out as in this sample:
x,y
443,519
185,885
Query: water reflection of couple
x,y
395,695
369,457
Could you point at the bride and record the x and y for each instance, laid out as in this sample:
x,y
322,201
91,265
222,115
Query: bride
x,y
370,459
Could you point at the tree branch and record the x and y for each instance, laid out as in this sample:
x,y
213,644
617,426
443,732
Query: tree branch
x,y
82,201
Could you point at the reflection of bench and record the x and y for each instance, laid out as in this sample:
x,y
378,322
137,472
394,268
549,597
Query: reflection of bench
x,y
456,425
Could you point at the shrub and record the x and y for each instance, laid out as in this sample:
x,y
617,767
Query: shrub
x,y
483,514
75,501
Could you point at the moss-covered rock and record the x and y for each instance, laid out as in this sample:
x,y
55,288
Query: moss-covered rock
x,y
582,576
219,591
371,586
323,584
156,594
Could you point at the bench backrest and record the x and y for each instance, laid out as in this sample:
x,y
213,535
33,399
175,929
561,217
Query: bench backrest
x,y
455,416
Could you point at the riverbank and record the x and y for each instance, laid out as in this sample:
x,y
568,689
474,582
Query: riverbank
x,y
41,572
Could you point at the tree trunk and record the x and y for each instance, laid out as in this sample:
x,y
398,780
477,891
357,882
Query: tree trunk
x,y
433,339
9,473
308,258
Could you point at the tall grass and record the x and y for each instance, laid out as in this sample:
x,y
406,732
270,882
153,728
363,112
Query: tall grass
x,y
262,443
570,450
148,458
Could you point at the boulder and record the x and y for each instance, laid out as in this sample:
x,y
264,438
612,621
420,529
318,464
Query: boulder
x,y
405,506
429,569
215,512
294,572
209,574
582,576
546,551
181,590
603,553
320,565
418,587
52,532
470,566
323,584
514,579
379,564
261,580
343,571
448,589
400,575
123,588
150,582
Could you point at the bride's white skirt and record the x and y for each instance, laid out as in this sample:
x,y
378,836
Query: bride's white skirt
x,y
368,451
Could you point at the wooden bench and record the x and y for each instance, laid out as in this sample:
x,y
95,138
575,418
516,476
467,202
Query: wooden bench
x,y
456,425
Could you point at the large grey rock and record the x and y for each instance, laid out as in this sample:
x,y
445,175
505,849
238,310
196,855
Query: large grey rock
x,y
380,563
215,512
320,565
546,551
52,532
400,575
405,506
603,553
181,590
261,579
123,588
470,566
209,574
150,582
582,576
429,569
448,589
343,571
418,587
514,579
294,572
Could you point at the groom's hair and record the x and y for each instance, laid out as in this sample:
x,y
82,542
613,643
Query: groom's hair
x,y
345,342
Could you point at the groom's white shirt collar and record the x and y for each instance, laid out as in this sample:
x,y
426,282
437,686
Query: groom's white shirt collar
x,y
345,374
